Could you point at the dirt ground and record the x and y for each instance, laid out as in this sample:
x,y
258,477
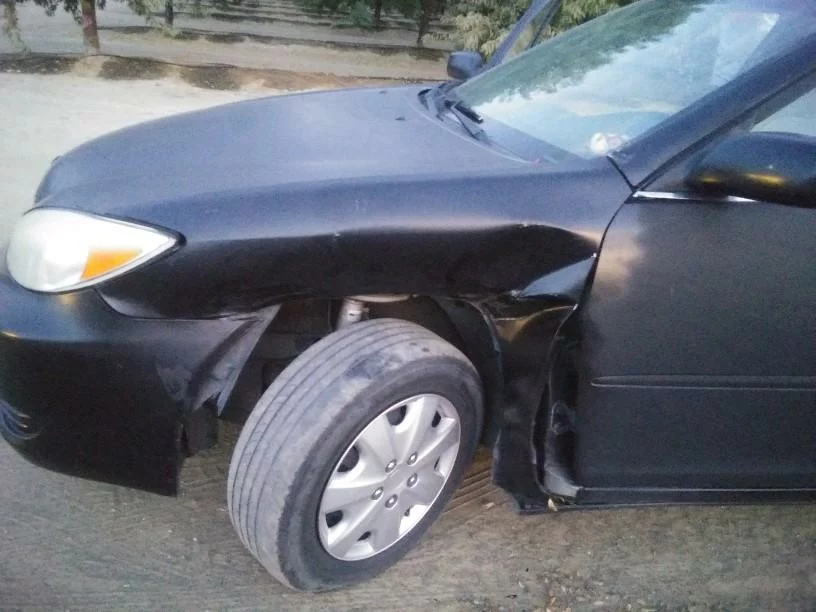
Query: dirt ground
x,y
278,45
72,544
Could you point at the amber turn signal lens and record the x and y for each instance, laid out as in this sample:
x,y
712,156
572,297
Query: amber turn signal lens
x,y
102,262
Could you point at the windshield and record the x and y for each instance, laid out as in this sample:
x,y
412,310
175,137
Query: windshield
x,y
594,88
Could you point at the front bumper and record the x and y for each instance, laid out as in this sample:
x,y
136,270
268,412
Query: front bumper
x,y
92,393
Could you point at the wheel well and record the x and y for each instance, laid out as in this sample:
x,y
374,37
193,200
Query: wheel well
x,y
301,323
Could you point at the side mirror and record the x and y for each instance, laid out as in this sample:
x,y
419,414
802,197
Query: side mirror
x,y
463,65
768,166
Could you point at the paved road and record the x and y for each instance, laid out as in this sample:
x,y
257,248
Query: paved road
x,y
72,544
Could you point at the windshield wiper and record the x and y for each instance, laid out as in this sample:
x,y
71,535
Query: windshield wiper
x,y
468,117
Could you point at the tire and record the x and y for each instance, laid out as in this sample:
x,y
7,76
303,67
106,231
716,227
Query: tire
x,y
313,422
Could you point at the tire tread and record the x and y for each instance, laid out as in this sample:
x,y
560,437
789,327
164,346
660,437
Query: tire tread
x,y
262,454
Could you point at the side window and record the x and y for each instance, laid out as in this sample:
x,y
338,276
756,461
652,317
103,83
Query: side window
x,y
793,111
798,117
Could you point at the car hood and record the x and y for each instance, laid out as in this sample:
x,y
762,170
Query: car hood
x,y
260,144
352,192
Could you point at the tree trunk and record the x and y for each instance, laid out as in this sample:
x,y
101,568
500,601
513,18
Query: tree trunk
x,y
425,19
9,15
10,22
11,25
169,13
378,7
89,29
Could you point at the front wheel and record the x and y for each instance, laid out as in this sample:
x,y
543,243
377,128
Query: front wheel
x,y
352,453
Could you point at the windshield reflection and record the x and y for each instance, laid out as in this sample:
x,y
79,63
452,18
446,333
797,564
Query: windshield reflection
x,y
598,86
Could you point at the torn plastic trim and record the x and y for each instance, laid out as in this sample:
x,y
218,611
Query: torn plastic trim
x,y
217,376
566,283
215,380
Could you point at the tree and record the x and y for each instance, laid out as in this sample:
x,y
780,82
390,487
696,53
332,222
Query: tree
x,y
11,25
84,13
378,7
90,30
369,13
481,25
425,16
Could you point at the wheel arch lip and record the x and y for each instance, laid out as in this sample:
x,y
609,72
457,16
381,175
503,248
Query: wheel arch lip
x,y
492,334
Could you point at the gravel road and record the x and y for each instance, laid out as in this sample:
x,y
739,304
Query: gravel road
x,y
71,544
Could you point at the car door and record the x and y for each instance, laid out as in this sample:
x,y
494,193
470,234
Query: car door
x,y
700,337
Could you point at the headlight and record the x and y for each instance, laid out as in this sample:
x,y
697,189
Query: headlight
x,y
59,250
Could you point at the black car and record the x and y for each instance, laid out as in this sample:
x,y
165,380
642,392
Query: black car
x,y
595,256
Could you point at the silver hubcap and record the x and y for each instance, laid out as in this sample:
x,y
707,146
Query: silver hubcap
x,y
389,477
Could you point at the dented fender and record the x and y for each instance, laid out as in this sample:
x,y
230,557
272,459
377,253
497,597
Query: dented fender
x,y
512,339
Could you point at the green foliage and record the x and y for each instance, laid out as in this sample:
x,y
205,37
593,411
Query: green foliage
x,y
70,6
576,12
327,6
140,7
481,25
197,11
144,8
409,8
360,14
